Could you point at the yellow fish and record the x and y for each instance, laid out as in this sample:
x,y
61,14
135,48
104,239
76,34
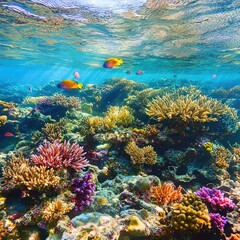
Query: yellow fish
x,y
112,62
70,84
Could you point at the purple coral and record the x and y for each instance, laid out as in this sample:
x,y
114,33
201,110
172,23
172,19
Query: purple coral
x,y
217,221
60,155
84,189
215,199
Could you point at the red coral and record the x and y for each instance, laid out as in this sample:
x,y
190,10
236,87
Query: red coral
x,y
60,155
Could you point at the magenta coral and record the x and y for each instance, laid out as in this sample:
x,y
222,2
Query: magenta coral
x,y
215,199
60,155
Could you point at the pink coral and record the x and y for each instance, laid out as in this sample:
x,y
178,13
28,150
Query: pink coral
x,y
60,155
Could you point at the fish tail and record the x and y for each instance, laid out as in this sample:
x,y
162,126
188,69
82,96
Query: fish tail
x,y
80,85
120,61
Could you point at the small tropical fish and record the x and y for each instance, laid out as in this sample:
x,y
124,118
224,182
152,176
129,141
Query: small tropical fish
x,y
128,72
214,76
76,74
70,84
112,62
139,72
8,134
30,89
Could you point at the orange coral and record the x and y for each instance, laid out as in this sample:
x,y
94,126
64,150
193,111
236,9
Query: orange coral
x,y
165,194
236,152
234,237
222,156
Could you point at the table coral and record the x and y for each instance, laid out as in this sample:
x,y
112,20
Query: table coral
x,y
187,108
190,215
19,173
145,155
60,155
165,194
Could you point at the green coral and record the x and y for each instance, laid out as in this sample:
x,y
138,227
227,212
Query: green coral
x,y
190,215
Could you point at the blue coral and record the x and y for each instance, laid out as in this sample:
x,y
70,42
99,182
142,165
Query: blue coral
x,y
83,189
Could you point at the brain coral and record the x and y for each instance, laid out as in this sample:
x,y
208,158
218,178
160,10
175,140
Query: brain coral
x,y
190,215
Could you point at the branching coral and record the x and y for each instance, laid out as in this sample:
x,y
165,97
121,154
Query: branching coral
x,y
145,155
19,173
236,152
114,117
6,104
60,155
54,131
165,194
191,215
222,156
69,102
52,211
33,100
187,108
215,199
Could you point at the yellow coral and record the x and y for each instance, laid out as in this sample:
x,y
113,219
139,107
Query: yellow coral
x,y
187,108
3,120
236,152
19,173
114,117
136,227
190,215
165,194
6,104
208,146
54,210
138,155
222,155
54,131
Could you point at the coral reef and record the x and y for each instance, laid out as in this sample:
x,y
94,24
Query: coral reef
x,y
3,120
60,155
217,221
145,155
165,194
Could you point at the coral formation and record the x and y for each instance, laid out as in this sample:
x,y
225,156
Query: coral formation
x,y
19,173
217,221
3,120
60,155
145,155
187,108
190,215
54,210
136,227
215,198
165,194
84,189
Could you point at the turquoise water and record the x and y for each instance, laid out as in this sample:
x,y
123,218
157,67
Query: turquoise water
x,y
103,150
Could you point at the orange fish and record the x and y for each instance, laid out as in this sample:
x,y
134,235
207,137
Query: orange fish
x,y
70,84
8,134
112,62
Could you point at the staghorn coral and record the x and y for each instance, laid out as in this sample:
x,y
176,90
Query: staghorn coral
x,y
145,155
60,155
6,104
165,194
190,215
187,108
19,173
222,156
52,211
3,120
54,131
114,117
33,100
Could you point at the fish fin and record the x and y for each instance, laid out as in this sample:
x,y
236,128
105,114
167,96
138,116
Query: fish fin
x,y
120,61
80,85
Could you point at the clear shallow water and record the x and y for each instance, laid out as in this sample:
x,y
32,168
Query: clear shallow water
x,y
54,38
